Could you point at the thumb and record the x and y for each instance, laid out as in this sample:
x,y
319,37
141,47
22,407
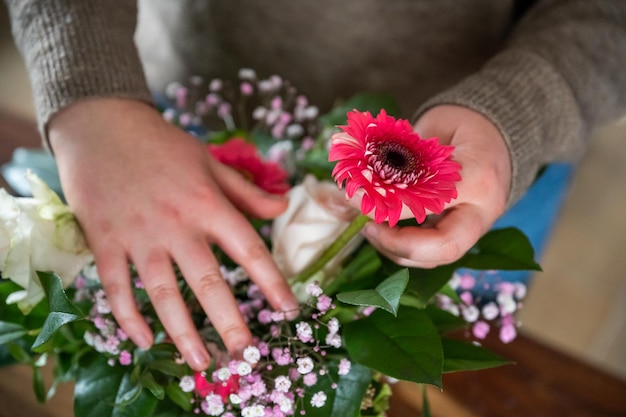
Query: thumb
x,y
246,196
440,121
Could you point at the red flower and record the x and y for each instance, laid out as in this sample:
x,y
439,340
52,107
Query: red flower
x,y
203,387
243,156
224,389
393,167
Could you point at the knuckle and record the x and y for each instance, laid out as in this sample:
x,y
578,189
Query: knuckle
x,y
113,289
208,282
153,257
234,335
180,335
256,250
163,292
127,320
449,250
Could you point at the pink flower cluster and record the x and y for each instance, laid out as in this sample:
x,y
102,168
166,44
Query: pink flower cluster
x,y
286,369
280,370
276,106
108,338
478,312
266,107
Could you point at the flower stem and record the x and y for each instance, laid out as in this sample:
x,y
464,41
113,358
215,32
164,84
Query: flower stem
x,y
353,228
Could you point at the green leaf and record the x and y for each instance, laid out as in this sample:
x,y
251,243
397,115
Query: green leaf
x,y
62,310
464,356
444,321
57,299
406,347
168,367
169,408
448,291
425,404
425,283
316,162
11,331
345,401
386,295
39,386
20,354
147,381
372,102
64,368
380,404
132,400
178,396
97,385
63,371
504,249
10,313
363,266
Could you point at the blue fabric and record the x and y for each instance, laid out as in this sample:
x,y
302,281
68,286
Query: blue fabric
x,y
535,215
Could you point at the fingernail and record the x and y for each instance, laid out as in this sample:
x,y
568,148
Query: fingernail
x,y
370,230
199,360
143,341
237,354
291,310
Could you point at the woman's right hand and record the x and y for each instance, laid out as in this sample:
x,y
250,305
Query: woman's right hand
x,y
147,193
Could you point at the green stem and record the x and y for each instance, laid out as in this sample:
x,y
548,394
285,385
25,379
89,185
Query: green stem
x,y
330,252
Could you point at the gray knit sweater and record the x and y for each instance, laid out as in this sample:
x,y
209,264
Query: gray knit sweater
x,y
546,80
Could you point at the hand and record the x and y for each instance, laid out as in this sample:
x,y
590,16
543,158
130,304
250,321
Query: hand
x,y
148,193
482,192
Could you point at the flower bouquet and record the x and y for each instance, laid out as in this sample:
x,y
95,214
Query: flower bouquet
x,y
363,322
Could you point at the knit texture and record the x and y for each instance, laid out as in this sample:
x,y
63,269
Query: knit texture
x,y
78,49
560,76
545,81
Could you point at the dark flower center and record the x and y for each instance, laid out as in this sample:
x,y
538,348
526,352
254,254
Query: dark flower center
x,y
397,157
394,162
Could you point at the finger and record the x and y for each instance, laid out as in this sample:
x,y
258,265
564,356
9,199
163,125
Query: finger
x,y
426,247
158,277
440,127
237,238
115,278
201,271
245,195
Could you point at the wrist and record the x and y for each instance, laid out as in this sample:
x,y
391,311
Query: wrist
x,y
91,119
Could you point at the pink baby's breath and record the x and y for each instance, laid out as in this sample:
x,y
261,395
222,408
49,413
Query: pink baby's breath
x,y
480,329
344,366
126,358
319,399
310,379
386,159
324,302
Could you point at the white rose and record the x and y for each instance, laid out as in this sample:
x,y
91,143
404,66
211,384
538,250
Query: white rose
x,y
38,234
316,216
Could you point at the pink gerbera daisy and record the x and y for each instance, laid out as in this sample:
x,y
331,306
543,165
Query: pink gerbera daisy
x,y
244,157
393,167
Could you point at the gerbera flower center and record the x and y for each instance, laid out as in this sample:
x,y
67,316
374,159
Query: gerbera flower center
x,y
397,156
394,162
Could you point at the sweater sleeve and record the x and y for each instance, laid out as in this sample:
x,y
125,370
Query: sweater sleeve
x,y
75,49
561,74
